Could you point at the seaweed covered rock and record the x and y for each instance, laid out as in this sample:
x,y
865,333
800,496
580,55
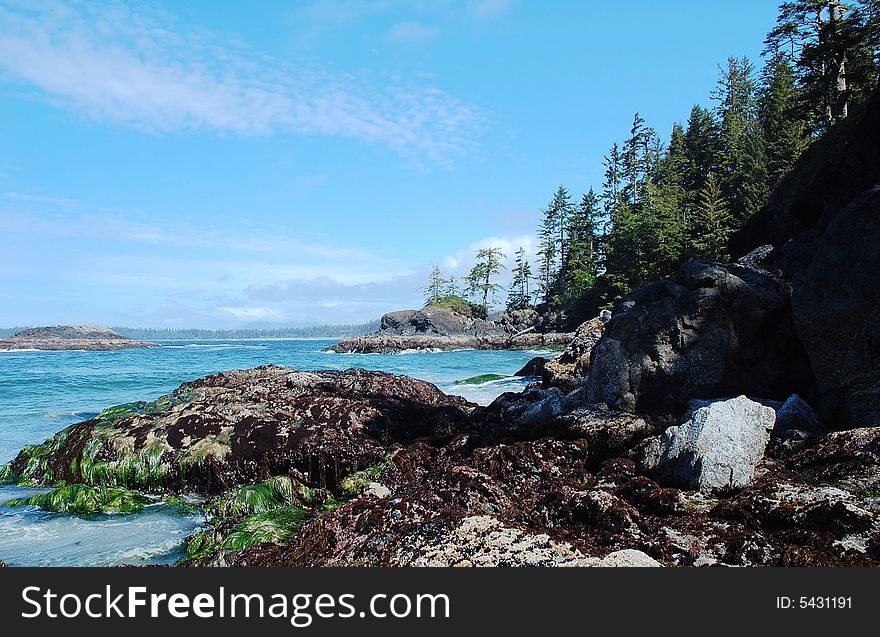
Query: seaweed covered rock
x,y
238,427
711,330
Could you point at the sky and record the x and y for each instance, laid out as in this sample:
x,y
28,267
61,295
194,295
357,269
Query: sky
x,y
222,164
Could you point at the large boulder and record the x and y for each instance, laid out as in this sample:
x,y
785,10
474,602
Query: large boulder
x,y
430,320
710,330
716,450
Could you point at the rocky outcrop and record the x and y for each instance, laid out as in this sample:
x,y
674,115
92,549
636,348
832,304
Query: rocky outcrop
x,y
240,427
71,337
392,344
572,366
440,328
822,224
711,330
716,450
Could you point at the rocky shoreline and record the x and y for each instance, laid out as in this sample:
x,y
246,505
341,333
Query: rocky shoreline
x,y
71,337
392,344
441,329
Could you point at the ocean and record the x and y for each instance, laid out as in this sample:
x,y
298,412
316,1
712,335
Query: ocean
x,y
44,392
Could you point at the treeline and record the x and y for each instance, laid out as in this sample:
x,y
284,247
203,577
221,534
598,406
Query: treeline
x,y
661,204
314,331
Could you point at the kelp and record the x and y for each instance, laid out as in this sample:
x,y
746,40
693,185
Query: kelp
x,y
479,380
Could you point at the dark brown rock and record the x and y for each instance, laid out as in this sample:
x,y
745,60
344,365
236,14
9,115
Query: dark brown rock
x,y
711,330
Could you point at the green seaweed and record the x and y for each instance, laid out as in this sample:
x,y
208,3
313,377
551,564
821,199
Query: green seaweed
x,y
180,506
82,499
353,484
479,380
275,526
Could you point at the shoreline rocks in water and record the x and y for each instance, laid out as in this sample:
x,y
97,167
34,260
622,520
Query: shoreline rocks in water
x,y
443,329
71,337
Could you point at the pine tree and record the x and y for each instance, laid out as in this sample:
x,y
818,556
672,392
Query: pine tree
x,y
436,288
702,147
712,222
518,296
481,278
784,129
561,210
830,45
742,170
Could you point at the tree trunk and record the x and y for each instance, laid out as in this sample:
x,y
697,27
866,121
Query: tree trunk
x,y
840,99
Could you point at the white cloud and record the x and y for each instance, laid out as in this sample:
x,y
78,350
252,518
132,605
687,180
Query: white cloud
x,y
254,313
411,33
140,68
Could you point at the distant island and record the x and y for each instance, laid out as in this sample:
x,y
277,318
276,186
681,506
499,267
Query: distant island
x,y
71,337
341,330
438,327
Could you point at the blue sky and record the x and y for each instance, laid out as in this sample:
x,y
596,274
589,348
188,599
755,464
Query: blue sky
x,y
221,164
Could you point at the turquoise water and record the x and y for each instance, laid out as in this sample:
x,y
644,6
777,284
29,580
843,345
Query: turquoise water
x,y
43,392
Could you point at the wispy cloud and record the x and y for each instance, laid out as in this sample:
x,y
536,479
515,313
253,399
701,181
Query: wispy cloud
x,y
143,68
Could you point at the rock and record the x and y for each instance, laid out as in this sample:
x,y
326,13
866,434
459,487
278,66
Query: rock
x,y
244,426
438,321
627,558
609,434
797,415
834,302
71,337
379,343
717,450
822,222
484,541
710,330
544,409
534,368
441,328
569,370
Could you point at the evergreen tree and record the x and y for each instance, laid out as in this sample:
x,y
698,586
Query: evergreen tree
x,y
518,296
784,129
712,224
436,288
481,277
831,46
742,170
702,148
